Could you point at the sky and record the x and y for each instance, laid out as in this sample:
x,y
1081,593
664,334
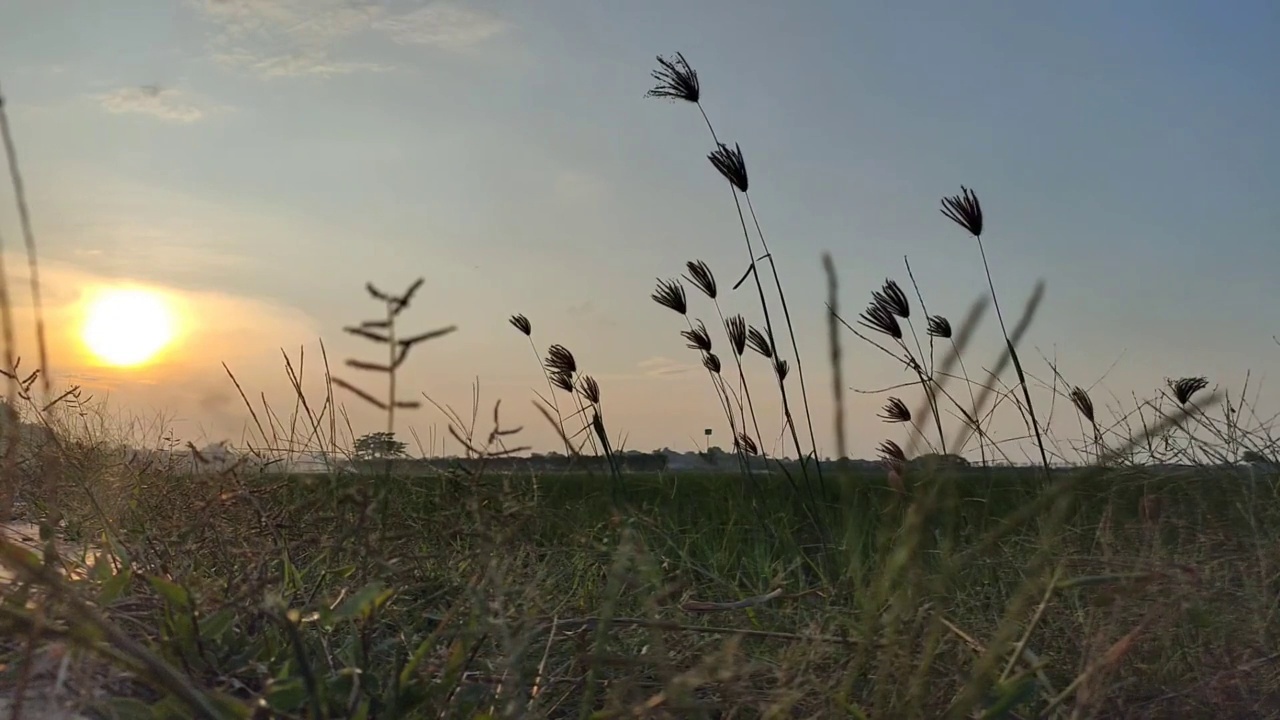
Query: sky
x,y
259,161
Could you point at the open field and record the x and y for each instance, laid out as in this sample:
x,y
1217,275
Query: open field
x,y
1130,568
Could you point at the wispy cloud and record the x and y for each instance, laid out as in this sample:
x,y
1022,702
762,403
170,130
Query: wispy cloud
x,y
161,103
442,24
662,366
316,38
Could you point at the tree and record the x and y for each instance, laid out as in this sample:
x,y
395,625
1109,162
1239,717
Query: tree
x,y
379,446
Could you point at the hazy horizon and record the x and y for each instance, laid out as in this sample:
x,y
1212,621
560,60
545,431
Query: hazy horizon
x,y
259,161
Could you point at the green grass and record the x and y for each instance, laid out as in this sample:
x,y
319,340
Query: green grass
x,y
315,595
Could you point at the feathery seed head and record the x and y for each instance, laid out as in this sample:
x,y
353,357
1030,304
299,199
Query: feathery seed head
x,y
892,298
781,367
711,361
759,342
895,411
964,210
589,388
562,380
939,327
745,444
559,359
701,277
1083,402
676,80
731,165
670,294
698,337
521,323
892,455
879,318
736,328
1184,388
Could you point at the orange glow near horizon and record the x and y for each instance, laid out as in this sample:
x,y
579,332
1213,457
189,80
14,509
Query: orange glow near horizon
x,y
128,327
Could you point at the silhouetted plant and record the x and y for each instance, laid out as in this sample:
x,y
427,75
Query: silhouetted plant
x,y
677,80
939,327
670,294
702,278
895,411
383,331
1185,388
521,323
966,211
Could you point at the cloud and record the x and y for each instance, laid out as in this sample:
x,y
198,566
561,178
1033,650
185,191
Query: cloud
x,y
442,24
162,103
298,38
663,366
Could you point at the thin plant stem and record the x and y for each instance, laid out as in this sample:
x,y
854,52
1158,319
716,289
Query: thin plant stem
x,y
1017,364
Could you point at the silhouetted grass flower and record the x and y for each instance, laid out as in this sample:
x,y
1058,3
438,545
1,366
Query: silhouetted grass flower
x,y
744,443
698,337
560,360
892,454
892,298
782,367
879,318
521,323
676,80
731,165
759,342
711,361
562,380
939,327
1083,403
895,411
670,294
590,389
1184,388
964,210
701,277
736,328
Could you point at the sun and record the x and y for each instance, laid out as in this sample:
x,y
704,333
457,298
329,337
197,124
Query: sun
x,y
127,327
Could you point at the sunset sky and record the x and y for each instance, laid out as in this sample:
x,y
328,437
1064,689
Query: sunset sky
x,y
258,161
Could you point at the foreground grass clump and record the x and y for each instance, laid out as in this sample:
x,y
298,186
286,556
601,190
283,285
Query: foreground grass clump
x,y
365,596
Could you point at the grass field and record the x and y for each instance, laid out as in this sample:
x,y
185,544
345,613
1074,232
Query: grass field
x,y
510,597
1142,582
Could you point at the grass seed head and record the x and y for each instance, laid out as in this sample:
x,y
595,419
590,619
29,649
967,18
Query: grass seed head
x,y
589,388
782,367
877,317
562,380
736,328
964,210
939,327
1184,388
1083,402
676,80
892,455
744,443
698,337
701,277
711,361
731,165
670,294
521,323
892,298
759,342
895,411
560,360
